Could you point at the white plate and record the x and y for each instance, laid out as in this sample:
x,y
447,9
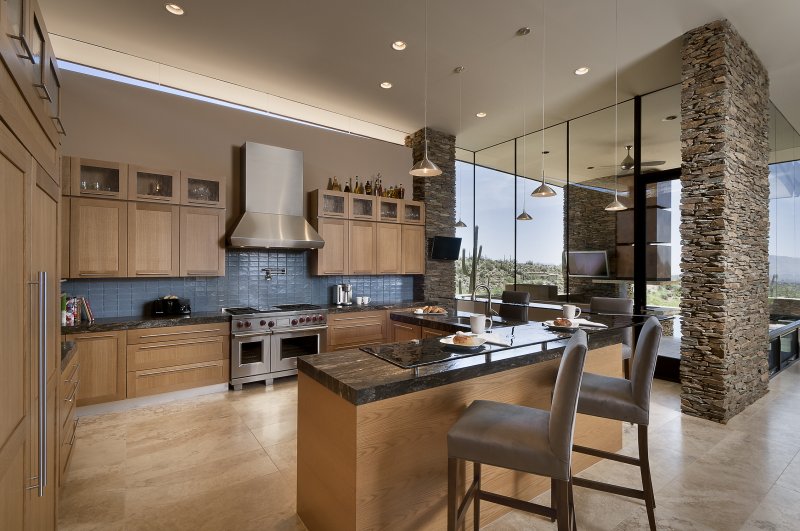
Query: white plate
x,y
553,326
448,342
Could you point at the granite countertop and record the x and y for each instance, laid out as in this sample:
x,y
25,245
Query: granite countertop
x,y
372,306
108,324
360,377
68,350
446,322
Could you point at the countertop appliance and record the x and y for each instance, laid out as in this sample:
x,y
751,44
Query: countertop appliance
x,y
342,294
272,197
265,343
166,307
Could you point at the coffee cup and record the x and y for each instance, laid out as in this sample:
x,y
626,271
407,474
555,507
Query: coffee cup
x,y
477,323
359,300
365,300
570,311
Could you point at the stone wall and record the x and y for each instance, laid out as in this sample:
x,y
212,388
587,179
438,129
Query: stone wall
x,y
588,227
439,195
724,223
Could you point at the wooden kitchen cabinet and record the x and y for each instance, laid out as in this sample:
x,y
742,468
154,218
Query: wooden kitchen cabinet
x,y
102,366
149,184
65,225
328,204
334,258
202,191
160,360
362,248
361,207
98,238
389,260
98,178
68,398
355,329
413,249
413,212
153,240
428,333
389,210
202,242
402,332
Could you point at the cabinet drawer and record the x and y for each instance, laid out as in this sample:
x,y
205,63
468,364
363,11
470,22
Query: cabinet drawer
x,y
67,443
357,328
196,350
68,401
177,333
154,381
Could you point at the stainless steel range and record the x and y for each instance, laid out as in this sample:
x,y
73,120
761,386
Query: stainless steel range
x,y
265,343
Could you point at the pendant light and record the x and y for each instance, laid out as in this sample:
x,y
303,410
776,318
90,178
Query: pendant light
x,y
524,216
543,190
458,70
615,205
425,168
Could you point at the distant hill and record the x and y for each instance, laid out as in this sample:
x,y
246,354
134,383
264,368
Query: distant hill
x,y
787,268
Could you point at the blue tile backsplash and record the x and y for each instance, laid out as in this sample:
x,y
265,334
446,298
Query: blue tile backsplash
x,y
243,285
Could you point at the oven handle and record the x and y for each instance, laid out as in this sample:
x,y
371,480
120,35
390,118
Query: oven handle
x,y
251,334
300,330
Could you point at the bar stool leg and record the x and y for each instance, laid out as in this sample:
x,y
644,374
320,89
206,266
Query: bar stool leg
x,y
452,470
476,474
562,506
553,497
647,480
573,523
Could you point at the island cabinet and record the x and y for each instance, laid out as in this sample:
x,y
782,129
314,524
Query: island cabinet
x,y
102,366
202,242
98,238
167,359
68,400
405,332
153,240
356,329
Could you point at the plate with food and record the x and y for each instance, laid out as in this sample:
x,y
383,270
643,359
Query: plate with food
x,y
463,341
562,324
431,310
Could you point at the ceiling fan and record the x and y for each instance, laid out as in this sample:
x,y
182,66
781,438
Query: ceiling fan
x,y
627,163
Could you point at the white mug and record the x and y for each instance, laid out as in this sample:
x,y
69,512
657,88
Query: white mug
x,y
570,311
365,300
477,322
359,300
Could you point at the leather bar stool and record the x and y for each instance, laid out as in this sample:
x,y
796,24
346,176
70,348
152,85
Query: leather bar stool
x,y
612,305
519,438
627,401
512,312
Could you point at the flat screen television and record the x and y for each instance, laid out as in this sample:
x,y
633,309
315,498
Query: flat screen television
x,y
587,263
445,248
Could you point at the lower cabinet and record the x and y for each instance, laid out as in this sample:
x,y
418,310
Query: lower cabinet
x,y
160,360
356,329
405,332
102,367
68,399
432,332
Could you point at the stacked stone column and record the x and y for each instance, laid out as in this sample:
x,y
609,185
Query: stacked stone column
x,y
724,223
439,195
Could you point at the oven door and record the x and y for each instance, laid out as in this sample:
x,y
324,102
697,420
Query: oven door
x,y
250,355
287,346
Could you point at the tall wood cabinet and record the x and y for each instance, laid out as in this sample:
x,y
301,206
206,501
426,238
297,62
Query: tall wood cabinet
x,y
29,269
102,367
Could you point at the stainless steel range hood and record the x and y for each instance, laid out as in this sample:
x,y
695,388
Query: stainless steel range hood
x,y
272,196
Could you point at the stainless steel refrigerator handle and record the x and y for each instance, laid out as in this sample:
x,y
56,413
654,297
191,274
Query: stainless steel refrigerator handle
x,y
42,381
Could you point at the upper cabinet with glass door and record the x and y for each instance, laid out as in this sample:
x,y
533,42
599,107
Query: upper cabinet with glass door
x,y
157,186
390,210
328,204
202,191
413,212
98,178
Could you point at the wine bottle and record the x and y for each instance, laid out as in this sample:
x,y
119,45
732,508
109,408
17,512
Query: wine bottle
x,y
330,184
368,188
379,188
347,187
358,189
336,186
402,192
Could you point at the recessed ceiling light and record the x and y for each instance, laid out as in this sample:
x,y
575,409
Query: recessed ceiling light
x,y
582,71
386,85
669,118
175,9
481,115
399,45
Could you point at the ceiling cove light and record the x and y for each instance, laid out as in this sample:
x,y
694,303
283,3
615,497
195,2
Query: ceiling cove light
x,y
399,45
481,115
582,71
425,168
175,9
386,85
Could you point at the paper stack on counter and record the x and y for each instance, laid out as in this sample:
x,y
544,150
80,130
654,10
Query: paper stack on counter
x,y
586,322
495,339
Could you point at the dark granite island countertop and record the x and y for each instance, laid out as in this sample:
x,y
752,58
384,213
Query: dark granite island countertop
x,y
360,377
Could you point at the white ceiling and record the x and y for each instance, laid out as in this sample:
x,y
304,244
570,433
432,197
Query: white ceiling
x,y
333,54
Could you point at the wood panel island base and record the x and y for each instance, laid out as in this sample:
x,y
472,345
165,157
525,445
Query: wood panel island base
x,y
368,462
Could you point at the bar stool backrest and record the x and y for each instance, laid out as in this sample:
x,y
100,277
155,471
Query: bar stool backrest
x,y
565,398
515,313
614,305
644,362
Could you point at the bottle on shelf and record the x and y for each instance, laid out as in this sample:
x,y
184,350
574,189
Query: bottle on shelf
x,y
368,188
358,189
347,187
402,192
330,184
336,186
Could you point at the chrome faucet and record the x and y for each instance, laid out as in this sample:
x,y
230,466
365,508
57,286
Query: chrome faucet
x,y
488,311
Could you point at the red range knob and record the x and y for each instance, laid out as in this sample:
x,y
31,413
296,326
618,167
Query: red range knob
x,y
314,318
247,324
271,324
302,320
239,324
263,323
322,318
294,321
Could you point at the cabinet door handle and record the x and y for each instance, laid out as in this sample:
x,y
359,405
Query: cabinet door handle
x,y
59,125
42,334
94,274
45,93
180,333
74,372
217,339
71,397
208,273
74,432
26,48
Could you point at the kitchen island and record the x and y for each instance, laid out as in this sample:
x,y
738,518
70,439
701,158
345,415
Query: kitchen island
x,y
371,441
